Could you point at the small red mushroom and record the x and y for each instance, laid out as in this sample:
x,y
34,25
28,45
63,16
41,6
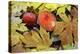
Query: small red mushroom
x,y
29,18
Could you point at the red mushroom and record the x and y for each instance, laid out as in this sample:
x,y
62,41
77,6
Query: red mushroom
x,y
47,20
29,18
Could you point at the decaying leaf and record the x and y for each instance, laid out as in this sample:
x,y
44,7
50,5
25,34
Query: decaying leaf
x,y
36,37
33,39
28,40
59,27
45,36
18,48
67,29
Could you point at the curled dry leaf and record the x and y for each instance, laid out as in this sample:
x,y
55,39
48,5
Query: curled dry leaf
x,y
45,36
67,29
59,27
33,39
75,29
28,40
18,48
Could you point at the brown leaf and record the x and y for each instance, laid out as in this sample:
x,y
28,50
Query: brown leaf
x,y
74,11
59,27
66,28
18,48
75,28
64,38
